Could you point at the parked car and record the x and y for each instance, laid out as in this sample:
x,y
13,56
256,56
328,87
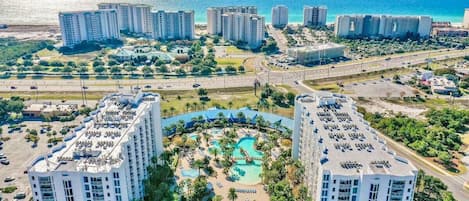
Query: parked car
x,y
195,85
20,195
5,161
9,179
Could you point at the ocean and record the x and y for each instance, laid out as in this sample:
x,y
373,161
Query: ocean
x,y
44,12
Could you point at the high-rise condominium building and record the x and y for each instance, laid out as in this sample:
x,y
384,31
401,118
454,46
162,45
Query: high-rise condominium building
x,y
280,16
465,23
80,26
173,25
135,18
243,27
105,158
214,16
376,26
343,156
314,16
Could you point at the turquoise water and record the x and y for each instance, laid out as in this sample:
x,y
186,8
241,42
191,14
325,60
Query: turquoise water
x,y
190,173
194,136
247,173
45,11
215,145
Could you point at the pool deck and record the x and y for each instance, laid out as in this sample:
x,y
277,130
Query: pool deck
x,y
220,183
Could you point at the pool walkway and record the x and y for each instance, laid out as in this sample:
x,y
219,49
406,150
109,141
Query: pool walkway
x,y
212,114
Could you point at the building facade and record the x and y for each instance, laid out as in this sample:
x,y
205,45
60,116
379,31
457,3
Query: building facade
x,y
382,26
316,53
105,158
280,16
134,18
343,156
215,16
80,26
465,23
450,32
173,25
245,28
314,16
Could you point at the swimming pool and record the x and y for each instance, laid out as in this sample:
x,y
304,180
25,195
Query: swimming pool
x,y
194,136
247,173
190,173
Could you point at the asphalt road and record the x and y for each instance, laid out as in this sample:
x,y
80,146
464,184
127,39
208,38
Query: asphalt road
x,y
263,75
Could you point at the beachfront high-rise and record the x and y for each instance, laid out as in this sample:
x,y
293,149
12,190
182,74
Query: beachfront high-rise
x,y
134,18
214,16
106,157
173,25
280,16
79,26
245,28
344,158
465,22
378,26
314,16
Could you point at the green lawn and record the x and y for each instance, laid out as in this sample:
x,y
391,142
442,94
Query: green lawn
x,y
230,61
240,97
234,50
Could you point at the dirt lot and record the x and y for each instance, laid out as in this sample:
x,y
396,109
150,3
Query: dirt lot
x,y
383,88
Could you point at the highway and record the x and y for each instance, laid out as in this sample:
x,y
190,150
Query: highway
x,y
263,75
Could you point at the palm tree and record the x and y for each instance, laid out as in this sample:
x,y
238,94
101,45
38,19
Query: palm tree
x,y
203,103
165,112
195,104
172,109
188,105
215,153
230,104
199,164
232,194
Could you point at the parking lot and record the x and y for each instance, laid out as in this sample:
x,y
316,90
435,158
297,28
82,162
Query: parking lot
x,y
382,88
20,153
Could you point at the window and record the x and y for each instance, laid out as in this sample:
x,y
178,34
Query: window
x,y
373,196
68,190
85,179
355,182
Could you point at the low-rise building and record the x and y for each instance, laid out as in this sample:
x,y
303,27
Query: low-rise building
x,y
450,32
128,54
441,85
37,110
315,53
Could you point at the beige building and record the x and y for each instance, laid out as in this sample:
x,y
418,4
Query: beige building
x,y
450,32
465,21
47,109
315,53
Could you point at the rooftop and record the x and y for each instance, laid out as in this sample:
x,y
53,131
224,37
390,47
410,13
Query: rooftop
x,y
95,146
318,47
349,145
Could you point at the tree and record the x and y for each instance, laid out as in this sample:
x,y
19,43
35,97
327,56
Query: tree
x,y
241,69
232,194
199,188
202,92
199,164
230,104
217,198
290,98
